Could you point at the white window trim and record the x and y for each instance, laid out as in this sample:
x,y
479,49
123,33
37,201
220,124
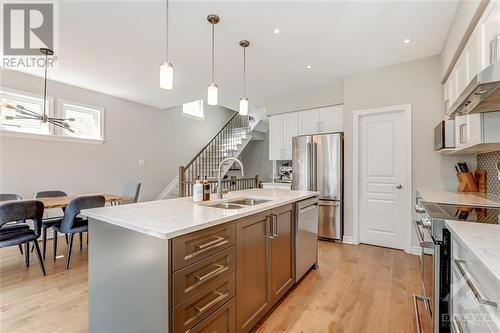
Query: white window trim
x,y
60,114
191,116
49,137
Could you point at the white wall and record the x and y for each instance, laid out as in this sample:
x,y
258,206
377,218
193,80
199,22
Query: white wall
x,y
463,16
255,158
311,98
416,83
163,138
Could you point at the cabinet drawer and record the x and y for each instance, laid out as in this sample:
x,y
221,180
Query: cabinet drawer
x,y
221,321
190,312
190,248
192,279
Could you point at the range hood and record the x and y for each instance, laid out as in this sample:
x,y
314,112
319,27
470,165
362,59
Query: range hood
x,y
481,94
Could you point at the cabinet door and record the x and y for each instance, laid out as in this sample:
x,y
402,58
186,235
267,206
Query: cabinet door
x,y
474,130
252,267
490,29
289,131
221,321
276,137
461,73
473,51
282,252
331,119
308,122
447,96
460,132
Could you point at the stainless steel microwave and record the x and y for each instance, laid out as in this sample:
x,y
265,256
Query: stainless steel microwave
x,y
444,135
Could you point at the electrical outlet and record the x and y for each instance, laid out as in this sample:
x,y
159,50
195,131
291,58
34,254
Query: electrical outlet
x,y
141,162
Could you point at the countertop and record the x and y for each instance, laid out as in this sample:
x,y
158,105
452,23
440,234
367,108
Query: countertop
x,y
460,198
174,217
482,239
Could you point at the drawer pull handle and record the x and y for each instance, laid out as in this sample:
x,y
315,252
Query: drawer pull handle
x,y
219,241
220,297
459,264
218,270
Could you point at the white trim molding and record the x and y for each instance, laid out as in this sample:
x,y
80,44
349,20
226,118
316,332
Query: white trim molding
x,y
407,245
347,240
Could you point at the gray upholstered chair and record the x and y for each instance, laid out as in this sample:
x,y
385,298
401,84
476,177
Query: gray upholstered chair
x,y
22,210
132,190
17,225
51,221
71,223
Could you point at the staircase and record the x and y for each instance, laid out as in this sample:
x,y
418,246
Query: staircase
x,y
230,141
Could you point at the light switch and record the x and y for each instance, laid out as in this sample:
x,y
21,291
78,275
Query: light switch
x,y
141,162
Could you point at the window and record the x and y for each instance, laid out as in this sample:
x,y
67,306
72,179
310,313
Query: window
x,y
29,102
87,121
194,109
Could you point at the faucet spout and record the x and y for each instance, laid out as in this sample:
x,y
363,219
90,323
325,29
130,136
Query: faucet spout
x,y
219,179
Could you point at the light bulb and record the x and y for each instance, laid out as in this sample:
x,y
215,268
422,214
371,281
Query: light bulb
x,y
243,106
213,94
166,75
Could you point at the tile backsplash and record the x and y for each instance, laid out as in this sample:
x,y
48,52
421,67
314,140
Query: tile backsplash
x,y
489,162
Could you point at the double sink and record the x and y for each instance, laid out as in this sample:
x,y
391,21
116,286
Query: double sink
x,y
237,203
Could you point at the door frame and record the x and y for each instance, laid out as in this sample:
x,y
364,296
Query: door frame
x,y
406,108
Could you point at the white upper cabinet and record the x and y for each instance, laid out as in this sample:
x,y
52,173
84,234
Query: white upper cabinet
x,y
479,132
308,122
282,128
490,29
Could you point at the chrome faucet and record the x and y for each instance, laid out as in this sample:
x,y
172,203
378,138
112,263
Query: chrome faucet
x,y
219,182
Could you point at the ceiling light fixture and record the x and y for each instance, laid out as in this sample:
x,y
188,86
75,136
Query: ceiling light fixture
x,y
276,31
244,100
407,41
26,114
308,66
213,89
166,68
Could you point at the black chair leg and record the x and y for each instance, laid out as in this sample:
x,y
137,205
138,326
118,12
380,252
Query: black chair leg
x,y
81,241
44,240
54,243
70,245
27,254
66,236
21,249
39,256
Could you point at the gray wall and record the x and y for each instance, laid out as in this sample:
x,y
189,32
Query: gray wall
x,y
416,83
255,158
163,138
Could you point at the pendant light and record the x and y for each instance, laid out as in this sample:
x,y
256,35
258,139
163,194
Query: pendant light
x,y
213,89
244,100
166,68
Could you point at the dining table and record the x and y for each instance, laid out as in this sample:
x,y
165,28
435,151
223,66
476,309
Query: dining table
x,y
61,202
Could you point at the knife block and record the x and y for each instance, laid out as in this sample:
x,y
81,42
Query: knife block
x,y
466,182
480,176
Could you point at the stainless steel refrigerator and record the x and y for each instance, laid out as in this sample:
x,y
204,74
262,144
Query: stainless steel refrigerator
x,y
318,166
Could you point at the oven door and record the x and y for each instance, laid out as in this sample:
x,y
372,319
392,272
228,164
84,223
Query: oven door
x,y
423,304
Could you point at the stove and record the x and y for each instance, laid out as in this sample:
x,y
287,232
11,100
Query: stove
x,y
462,213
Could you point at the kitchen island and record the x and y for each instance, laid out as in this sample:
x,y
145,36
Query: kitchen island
x,y
176,266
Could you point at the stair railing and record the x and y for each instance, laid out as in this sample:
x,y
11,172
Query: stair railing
x,y
206,162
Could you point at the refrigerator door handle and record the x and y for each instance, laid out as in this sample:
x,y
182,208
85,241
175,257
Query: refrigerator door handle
x,y
329,203
310,157
314,184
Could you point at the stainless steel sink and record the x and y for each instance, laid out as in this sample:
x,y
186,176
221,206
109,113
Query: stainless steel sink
x,y
225,205
248,201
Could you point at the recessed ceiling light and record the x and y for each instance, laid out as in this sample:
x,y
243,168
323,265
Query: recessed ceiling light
x,y
308,66
407,41
276,31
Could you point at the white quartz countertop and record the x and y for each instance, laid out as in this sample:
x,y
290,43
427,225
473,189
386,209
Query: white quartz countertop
x,y
482,239
460,198
174,217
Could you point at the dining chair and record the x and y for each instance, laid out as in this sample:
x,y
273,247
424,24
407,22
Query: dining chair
x,y
131,190
72,223
22,210
17,225
51,221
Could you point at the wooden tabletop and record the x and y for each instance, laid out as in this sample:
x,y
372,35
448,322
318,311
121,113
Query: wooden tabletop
x,y
60,202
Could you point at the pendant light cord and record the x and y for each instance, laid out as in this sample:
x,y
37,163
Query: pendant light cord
x,y
45,86
166,30
213,51
244,73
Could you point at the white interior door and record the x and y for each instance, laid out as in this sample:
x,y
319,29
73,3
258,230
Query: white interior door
x,y
384,180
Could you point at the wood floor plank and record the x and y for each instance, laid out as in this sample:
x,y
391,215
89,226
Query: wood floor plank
x,y
355,289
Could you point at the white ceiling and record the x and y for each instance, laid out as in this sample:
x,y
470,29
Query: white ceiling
x,y
115,47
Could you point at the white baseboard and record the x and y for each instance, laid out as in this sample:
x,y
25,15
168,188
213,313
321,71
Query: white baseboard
x,y
347,240
415,250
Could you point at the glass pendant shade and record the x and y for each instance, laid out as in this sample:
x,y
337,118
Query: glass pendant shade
x,y
166,75
213,94
243,106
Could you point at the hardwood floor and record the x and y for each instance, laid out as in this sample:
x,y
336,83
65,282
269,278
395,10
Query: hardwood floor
x,y
356,289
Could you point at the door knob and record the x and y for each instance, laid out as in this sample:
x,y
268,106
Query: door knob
x,y
399,186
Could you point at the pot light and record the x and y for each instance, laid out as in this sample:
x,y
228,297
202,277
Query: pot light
x,y
407,41
276,31
308,66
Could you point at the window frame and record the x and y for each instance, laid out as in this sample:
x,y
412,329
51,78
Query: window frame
x,y
202,118
27,95
62,114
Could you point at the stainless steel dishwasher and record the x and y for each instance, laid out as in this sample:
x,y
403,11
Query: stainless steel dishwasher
x,y
306,236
